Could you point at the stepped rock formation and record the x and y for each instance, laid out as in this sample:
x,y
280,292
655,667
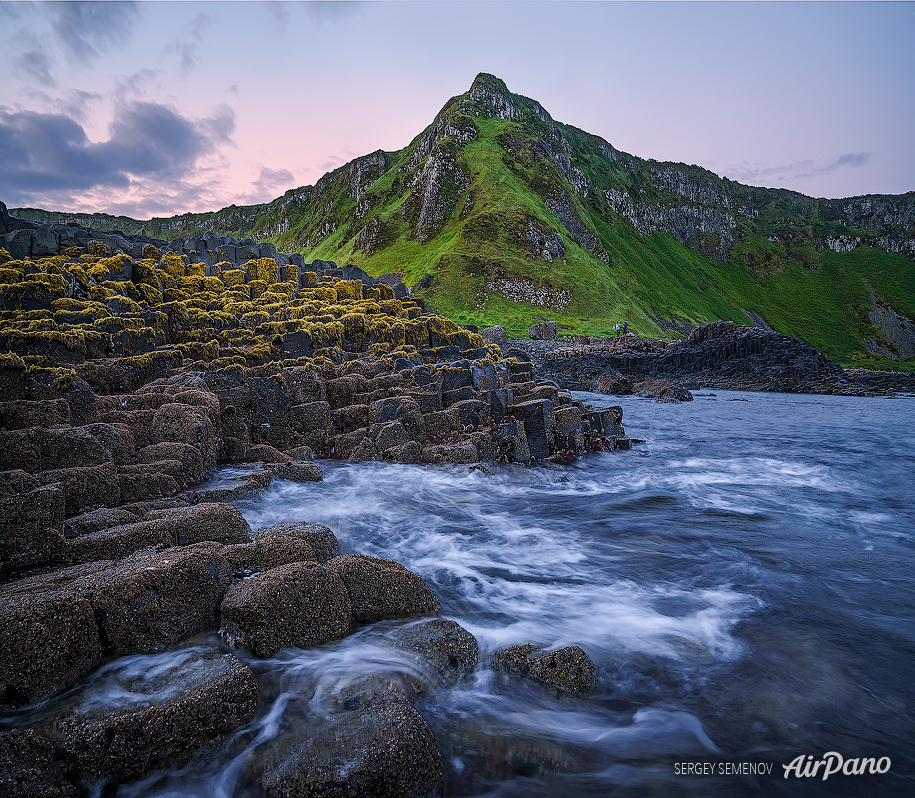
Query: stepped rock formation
x,y
128,373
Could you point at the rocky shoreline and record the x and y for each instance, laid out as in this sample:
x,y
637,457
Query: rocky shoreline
x,y
720,355
146,388
129,375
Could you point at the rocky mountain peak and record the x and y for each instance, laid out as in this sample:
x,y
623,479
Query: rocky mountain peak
x,y
490,97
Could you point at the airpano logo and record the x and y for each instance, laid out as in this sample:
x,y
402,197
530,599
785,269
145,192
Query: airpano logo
x,y
804,767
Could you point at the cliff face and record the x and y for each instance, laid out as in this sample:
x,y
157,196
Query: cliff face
x,y
496,210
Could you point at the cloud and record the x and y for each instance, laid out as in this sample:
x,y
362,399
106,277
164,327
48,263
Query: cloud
x,y
133,85
188,49
35,64
89,29
269,185
333,10
798,169
42,153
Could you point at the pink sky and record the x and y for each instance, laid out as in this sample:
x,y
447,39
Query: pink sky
x,y
165,107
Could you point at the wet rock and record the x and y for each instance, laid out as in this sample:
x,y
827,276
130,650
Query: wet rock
x,y
117,439
119,541
95,520
511,443
241,488
189,456
179,423
262,555
17,482
86,488
23,413
297,471
37,448
148,481
567,669
538,419
296,605
162,717
612,382
464,453
380,588
48,640
302,453
264,453
543,332
32,767
607,421
409,453
322,540
30,525
214,521
444,648
153,599
663,391
385,750
392,409
350,418
513,659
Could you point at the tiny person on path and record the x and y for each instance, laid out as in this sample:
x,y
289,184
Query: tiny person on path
x,y
625,328
617,329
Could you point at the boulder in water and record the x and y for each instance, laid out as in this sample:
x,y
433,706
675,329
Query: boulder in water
x,y
159,719
663,391
568,669
297,605
444,648
380,588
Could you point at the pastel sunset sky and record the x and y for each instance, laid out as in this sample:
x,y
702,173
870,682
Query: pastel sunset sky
x,y
156,108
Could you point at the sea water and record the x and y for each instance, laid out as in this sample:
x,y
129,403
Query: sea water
x,y
743,581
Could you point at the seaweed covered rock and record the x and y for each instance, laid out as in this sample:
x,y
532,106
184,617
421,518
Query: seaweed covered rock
x,y
297,605
381,588
32,767
169,706
385,749
567,669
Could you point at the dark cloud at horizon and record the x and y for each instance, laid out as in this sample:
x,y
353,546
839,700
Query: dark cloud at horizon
x,y
41,153
88,29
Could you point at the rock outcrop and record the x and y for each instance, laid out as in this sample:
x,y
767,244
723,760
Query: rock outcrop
x,y
720,355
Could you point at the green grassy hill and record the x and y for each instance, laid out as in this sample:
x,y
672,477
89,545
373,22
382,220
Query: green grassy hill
x,y
498,215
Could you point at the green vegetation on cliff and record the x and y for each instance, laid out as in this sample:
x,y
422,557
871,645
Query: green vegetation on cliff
x,y
498,214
